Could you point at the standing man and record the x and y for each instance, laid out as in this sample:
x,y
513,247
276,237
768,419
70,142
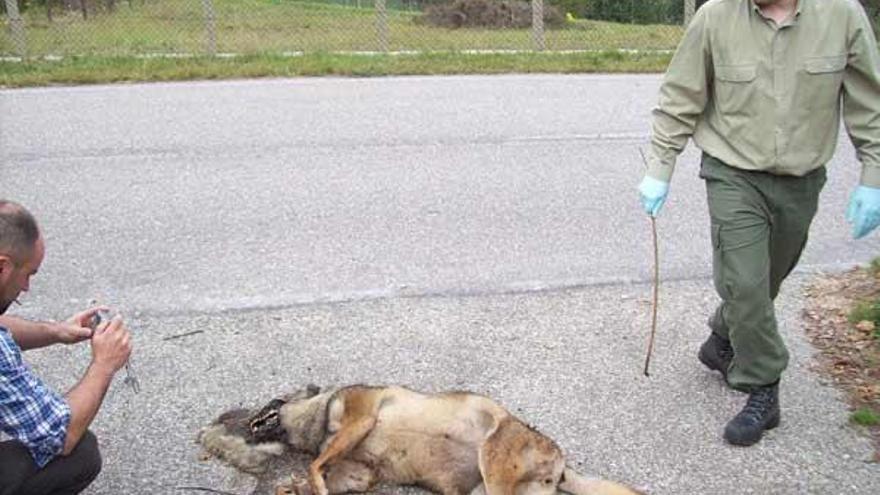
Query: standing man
x,y
760,86
51,450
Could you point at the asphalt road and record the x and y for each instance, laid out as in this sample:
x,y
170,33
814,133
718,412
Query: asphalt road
x,y
466,232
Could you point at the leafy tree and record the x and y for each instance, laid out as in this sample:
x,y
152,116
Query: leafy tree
x,y
22,5
872,7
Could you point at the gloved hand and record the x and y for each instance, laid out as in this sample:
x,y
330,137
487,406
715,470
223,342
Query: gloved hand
x,y
653,193
864,210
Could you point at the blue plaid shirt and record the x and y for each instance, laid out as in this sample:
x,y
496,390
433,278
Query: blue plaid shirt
x,y
29,412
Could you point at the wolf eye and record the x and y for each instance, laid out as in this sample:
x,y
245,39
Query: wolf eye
x,y
548,481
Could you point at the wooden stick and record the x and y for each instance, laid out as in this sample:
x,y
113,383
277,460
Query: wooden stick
x,y
656,284
656,296
203,489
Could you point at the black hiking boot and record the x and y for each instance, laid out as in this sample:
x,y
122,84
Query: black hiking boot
x,y
716,353
760,413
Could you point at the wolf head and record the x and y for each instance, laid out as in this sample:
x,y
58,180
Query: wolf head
x,y
248,439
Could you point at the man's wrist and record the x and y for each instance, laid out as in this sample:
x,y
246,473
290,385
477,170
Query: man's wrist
x,y
101,370
661,164
51,329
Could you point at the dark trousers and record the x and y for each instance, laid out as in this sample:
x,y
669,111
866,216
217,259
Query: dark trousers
x,y
65,475
759,229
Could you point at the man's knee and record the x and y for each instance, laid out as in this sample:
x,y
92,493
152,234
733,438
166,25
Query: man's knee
x,y
88,458
70,474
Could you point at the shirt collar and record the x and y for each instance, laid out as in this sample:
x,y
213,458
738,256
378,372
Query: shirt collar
x,y
797,9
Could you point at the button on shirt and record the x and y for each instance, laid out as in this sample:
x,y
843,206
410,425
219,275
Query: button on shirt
x,y
29,412
764,96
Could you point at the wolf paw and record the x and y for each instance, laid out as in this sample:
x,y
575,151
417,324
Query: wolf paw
x,y
296,486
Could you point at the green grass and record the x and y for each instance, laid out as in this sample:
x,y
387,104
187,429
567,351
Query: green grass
x,y
874,267
90,70
261,33
275,26
867,311
865,417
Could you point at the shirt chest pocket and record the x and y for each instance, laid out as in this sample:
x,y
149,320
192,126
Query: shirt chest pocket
x,y
735,89
820,82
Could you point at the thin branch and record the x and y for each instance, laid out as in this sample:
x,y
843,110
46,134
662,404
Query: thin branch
x,y
656,285
203,489
182,335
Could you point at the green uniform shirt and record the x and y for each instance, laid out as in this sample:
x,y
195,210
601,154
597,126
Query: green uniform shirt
x,y
762,96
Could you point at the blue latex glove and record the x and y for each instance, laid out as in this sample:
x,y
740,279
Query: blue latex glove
x,y
864,210
653,193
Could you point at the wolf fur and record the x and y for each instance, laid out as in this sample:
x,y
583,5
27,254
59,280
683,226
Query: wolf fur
x,y
358,436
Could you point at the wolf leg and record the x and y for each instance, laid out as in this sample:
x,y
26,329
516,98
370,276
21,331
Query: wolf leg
x,y
349,476
296,486
347,438
578,484
513,453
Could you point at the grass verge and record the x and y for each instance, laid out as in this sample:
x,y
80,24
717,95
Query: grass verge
x,y
278,26
94,70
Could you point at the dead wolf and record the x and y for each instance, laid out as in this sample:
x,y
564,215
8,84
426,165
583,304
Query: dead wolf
x,y
359,436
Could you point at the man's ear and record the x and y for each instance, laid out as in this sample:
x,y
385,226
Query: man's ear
x,y
6,268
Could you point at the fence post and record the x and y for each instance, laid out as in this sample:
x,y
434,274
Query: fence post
x,y
16,27
689,9
382,25
538,25
210,26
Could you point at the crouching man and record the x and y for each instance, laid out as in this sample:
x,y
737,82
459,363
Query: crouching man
x,y
51,450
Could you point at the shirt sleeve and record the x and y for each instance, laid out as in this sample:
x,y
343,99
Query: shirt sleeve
x,y
30,412
861,95
683,97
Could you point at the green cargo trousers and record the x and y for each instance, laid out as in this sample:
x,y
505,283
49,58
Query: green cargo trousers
x,y
759,229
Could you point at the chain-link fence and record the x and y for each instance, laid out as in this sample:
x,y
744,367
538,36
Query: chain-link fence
x,y
46,28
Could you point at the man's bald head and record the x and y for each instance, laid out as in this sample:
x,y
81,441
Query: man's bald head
x,y
18,231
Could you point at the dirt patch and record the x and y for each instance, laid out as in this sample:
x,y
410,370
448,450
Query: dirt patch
x,y
849,353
